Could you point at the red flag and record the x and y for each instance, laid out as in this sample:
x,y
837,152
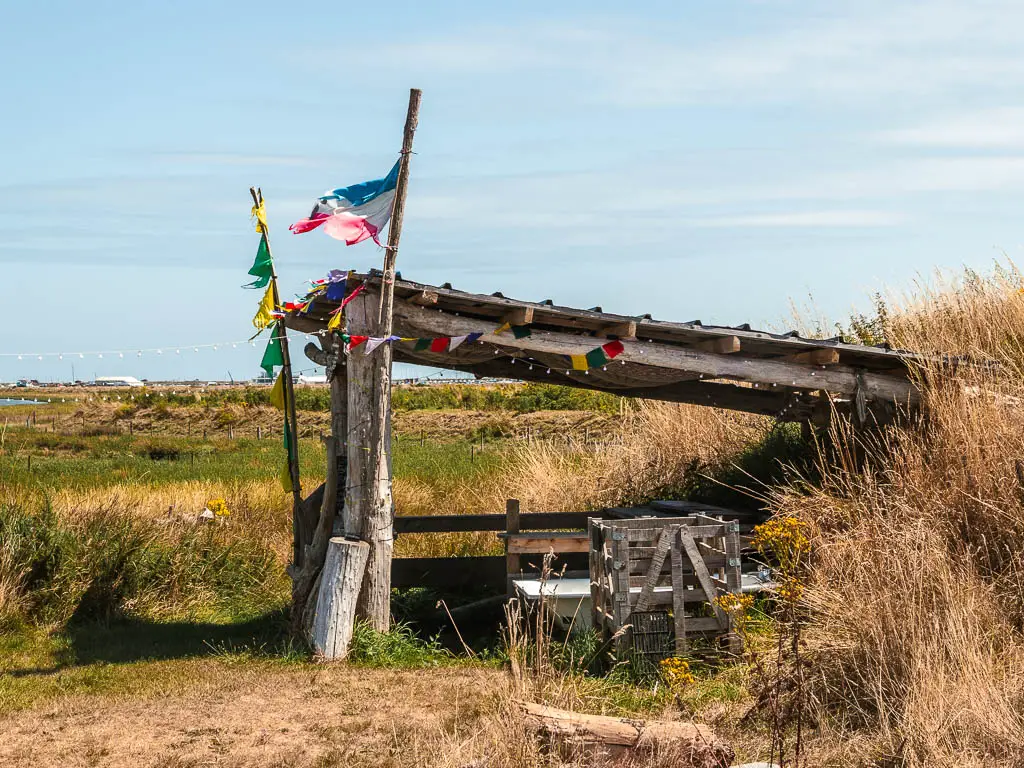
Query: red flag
x,y
439,344
355,341
613,349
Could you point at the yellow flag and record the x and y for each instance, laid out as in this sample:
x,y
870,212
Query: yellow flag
x,y
260,212
579,362
263,316
277,392
335,321
286,478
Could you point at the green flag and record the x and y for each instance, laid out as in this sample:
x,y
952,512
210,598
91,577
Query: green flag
x,y
262,268
272,356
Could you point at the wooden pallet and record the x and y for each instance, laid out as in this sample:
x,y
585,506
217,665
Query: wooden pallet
x,y
631,561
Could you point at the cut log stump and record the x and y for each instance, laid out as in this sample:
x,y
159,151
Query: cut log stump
x,y
340,581
687,745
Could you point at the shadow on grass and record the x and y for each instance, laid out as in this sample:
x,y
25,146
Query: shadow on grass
x,y
127,639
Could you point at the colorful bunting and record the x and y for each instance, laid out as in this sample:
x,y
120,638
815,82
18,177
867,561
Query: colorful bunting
x,y
597,357
265,314
519,331
458,341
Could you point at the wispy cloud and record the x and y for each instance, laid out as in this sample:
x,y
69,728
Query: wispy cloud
x,y
808,219
995,128
862,51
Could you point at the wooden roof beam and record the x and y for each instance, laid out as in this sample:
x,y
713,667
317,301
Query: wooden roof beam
x,y
518,316
836,379
726,345
424,299
816,357
626,330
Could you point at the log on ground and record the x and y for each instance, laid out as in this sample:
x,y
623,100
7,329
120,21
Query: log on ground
x,y
688,745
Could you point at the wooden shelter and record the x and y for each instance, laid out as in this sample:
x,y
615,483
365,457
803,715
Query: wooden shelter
x,y
782,375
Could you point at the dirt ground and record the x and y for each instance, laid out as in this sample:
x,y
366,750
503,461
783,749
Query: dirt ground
x,y
319,716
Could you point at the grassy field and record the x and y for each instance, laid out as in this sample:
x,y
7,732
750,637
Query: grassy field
x,y
899,642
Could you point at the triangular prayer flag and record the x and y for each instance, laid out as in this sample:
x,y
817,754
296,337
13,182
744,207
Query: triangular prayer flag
x,y
262,268
372,344
455,342
277,392
355,341
272,356
613,349
335,322
596,358
286,478
520,331
439,345
264,315
579,362
422,345
260,212
336,290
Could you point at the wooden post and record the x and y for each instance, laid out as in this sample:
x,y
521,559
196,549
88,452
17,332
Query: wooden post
x,y
513,566
378,512
336,604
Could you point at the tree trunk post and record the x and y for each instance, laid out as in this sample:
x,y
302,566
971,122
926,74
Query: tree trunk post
x,y
379,511
334,619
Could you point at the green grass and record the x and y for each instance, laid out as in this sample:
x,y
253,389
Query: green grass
x,y
519,398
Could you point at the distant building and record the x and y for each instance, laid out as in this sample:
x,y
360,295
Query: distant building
x,y
117,381
307,379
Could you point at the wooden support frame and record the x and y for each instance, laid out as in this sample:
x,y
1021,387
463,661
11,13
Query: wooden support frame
x,y
726,345
633,561
816,357
518,316
626,330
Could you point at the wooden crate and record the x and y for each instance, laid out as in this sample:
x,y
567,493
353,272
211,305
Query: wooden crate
x,y
631,561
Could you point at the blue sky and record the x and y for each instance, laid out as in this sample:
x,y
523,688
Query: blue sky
x,y
689,159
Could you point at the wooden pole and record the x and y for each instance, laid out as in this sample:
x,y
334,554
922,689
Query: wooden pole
x,y
378,519
299,536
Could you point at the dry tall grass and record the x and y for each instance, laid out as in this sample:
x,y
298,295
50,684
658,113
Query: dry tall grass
x,y
660,445
917,592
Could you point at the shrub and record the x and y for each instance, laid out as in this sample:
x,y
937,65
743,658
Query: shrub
x,y
53,570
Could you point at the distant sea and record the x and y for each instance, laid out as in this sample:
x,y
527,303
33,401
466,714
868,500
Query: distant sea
x,y
6,401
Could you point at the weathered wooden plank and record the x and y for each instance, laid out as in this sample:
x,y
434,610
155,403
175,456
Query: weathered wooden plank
x,y
518,316
696,531
816,357
512,562
639,566
726,345
678,599
525,544
423,298
701,569
620,569
626,330
657,561
528,521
